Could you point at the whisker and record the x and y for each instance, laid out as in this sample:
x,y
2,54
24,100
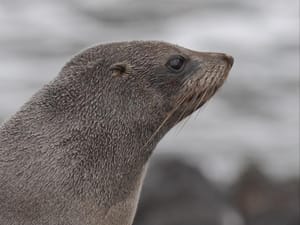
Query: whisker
x,y
194,104
185,109
188,106
200,102
184,122
163,122
183,113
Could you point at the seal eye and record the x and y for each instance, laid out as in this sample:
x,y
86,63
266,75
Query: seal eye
x,y
176,63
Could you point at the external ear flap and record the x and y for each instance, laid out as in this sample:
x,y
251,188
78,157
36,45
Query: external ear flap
x,y
119,69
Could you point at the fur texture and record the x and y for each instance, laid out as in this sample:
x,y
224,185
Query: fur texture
x,y
76,153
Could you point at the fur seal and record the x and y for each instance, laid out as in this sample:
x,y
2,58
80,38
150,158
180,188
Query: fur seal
x,y
75,153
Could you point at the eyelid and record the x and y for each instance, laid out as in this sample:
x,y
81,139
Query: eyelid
x,y
184,58
176,57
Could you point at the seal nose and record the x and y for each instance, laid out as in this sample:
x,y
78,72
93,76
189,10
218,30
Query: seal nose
x,y
229,59
224,58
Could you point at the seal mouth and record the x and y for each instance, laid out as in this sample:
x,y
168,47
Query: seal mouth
x,y
195,92
200,87
197,88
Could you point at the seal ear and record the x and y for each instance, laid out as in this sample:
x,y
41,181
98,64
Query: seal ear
x,y
119,69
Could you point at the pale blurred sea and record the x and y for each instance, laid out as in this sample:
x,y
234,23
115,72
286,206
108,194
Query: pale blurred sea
x,y
255,117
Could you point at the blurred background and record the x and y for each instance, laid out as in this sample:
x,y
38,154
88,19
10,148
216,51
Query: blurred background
x,y
237,161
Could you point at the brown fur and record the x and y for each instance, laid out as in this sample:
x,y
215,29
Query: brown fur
x,y
75,154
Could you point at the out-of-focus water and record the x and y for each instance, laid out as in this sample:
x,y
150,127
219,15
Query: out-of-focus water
x,y
255,115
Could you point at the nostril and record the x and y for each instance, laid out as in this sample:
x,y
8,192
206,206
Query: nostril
x,y
229,59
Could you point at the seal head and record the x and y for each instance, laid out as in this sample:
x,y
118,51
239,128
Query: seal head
x,y
76,152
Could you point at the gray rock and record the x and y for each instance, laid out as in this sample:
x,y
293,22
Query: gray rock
x,y
176,193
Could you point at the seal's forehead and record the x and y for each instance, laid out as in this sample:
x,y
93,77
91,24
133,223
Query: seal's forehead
x,y
135,52
158,47
147,48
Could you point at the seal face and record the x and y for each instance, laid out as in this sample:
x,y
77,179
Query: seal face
x,y
76,152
